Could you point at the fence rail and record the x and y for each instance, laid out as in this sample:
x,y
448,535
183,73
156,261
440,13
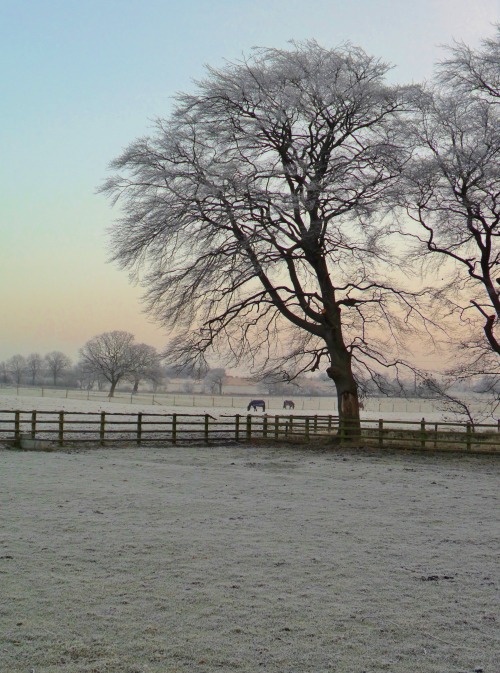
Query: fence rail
x,y
64,427
46,429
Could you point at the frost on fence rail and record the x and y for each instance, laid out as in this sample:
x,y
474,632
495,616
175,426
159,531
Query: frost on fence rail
x,y
106,427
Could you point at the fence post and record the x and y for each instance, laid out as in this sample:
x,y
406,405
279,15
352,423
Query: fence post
x,y
307,427
174,428
237,427
102,429
61,428
422,433
264,426
249,427
469,436
435,435
291,425
206,427
139,427
33,424
315,424
329,424
17,426
276,427
381,433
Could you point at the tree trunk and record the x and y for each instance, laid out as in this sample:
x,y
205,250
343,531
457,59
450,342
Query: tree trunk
x,y
347,397
112,389
136,387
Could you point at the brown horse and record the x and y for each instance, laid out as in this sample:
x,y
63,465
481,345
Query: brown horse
x,y
288,404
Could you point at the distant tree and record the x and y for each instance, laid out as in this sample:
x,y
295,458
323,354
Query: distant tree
x,y
34,365
110,355
145,365
273,385
214,380
256,212
17,367
57,363
5,376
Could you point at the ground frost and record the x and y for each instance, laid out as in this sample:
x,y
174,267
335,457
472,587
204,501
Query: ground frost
x,y
248,559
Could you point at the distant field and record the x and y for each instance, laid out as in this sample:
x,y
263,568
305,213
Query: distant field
x,y
387,407
200,560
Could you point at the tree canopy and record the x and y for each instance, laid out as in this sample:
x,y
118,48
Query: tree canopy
x,y
451,191
249,215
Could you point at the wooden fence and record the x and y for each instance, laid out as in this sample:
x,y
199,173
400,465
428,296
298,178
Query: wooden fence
x,y
64,427
46,429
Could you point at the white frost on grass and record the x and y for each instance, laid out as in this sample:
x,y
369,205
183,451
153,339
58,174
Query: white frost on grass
x,y
26,403
248,559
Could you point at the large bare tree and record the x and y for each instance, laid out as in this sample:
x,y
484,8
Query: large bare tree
x,y
249,214
451,192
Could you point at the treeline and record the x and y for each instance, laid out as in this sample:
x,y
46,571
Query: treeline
x,y
105,360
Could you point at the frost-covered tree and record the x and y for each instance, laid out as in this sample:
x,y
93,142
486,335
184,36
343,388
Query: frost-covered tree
x,y
214,380
145,365
17,368
110,355
474,71
5,376
34,365
57,363
451,192
253,213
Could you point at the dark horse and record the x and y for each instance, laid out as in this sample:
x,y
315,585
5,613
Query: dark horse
x,y
257,403
288,404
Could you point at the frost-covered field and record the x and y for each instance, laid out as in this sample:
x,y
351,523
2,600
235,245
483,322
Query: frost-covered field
x,y
248,559
387,408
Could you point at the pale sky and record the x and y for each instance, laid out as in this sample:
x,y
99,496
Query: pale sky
x,y
81,80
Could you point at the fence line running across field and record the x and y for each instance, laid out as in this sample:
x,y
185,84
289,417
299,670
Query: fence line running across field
x,y
46,429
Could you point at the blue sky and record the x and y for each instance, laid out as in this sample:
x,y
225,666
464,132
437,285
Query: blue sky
x,y
80,80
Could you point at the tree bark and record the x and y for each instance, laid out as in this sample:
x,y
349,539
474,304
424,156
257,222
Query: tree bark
x,y
347,397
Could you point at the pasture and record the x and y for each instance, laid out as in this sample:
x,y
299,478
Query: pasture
x,y
204,559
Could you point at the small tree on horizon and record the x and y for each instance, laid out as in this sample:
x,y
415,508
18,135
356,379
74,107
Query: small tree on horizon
x,y
17,367
110,355
57,363
34,365
146,365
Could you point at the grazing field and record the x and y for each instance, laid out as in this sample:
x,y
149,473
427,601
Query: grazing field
x,y
374,407
247,559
